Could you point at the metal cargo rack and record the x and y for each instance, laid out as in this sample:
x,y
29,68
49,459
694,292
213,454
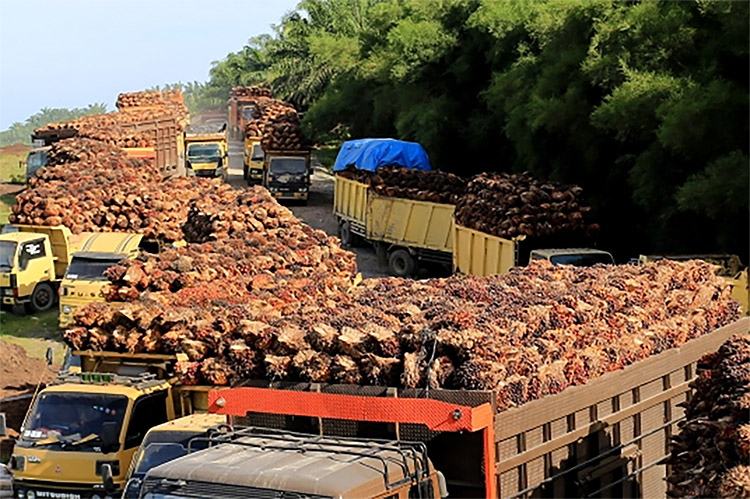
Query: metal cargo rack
x,y
607,438
410,457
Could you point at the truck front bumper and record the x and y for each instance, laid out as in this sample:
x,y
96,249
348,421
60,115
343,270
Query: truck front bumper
x,y
290,195
38,489
9,299
217,172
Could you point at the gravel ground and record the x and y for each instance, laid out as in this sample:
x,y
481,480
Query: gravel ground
x,y
318,212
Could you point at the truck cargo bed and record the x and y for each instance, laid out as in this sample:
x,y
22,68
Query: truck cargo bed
x,y
350,202
169,146
482,254
606,438
410,223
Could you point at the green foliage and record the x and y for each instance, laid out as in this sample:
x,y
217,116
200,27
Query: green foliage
x,y
21,132
643,103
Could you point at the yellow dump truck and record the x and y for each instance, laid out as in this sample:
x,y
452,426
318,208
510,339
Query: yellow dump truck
x,y
206,147
252,169
84,279
286,174
94,417
482,254
405,231
33,260
408,232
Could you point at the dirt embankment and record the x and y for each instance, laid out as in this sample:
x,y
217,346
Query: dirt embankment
x,y
20,373
15,149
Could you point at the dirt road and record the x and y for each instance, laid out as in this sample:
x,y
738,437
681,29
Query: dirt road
x,y
317,212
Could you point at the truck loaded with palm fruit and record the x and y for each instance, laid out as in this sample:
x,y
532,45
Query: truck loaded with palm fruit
x,y
386,193
206,150
275,153
35,259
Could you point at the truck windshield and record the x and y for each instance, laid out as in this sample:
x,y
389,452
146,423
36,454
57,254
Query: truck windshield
x,y
582,259
71,414
161,446
156,454
7,253
89,268
294,166
204,151
257,153
35,161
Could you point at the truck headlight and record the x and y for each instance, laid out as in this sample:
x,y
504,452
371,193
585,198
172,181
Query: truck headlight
x,y
7,292
18,463
67,309
31,495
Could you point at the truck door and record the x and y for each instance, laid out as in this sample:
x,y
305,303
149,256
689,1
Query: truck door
x,y
148,411
34,266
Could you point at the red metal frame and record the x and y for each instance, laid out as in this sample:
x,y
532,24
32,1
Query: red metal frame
x,y
435,414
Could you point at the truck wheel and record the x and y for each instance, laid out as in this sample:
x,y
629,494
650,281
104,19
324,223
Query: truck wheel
x,y
42,298
346,235
244,172
402,263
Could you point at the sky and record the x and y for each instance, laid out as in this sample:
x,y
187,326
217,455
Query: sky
x,y
72,53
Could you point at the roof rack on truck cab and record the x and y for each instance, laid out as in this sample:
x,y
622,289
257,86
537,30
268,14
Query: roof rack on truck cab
x,y
409,457
142,381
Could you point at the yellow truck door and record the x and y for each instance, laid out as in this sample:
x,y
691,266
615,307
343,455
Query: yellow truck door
x,y
35,265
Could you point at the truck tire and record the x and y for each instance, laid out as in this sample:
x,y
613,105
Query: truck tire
x,y
402,263
43,298
244,171
346,235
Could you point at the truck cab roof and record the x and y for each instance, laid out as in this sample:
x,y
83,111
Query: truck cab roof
x,y
19,237
548,252
198,422
300,464
110,243
581,257
106,383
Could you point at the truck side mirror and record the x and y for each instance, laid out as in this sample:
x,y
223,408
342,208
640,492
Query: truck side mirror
x,y
23,261
3,426
107,479
49,356
110,436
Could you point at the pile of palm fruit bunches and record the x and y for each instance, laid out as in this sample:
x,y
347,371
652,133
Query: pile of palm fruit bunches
x,y
274,121
502,204
710,456
256,293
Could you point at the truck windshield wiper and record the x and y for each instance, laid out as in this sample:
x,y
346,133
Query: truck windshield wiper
x,y
87,439
48,440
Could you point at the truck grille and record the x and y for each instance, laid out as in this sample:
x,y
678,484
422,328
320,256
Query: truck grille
x,y
219,490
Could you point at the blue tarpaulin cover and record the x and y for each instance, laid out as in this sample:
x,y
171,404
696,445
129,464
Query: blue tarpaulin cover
x,y
370,154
